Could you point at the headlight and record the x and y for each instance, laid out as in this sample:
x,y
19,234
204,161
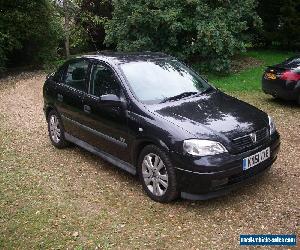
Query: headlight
x,y
272,125
203,147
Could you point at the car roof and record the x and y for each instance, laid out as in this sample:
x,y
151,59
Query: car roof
x,y
125,57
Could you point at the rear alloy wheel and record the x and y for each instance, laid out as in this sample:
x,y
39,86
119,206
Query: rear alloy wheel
x,y
56,131
157,174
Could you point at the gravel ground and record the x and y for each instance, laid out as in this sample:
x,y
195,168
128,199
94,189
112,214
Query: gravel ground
x,y
69,198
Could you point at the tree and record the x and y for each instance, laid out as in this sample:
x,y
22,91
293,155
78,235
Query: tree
x,y
67,26
94,14
289,24
67,10
208,31
281,22
29,32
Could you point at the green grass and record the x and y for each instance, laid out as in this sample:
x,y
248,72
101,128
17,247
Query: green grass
x,y
250,78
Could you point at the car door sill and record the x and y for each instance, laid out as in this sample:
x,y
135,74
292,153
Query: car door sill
x,y
108,157
97,133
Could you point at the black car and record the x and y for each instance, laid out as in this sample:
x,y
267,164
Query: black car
x,y
151,115
283,80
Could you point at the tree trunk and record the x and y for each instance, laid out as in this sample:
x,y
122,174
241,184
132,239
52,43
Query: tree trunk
x,y
67,27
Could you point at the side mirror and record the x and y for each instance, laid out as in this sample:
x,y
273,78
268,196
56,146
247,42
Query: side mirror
x,y
111,100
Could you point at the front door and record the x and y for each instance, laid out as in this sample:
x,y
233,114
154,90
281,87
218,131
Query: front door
x,y
107,122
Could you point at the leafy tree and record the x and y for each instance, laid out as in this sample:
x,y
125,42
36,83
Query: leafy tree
x,y
281,22
90,22
84,22
29,32
208,31
289,26
66,10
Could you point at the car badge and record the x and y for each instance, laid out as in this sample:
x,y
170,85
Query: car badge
x,y
253,137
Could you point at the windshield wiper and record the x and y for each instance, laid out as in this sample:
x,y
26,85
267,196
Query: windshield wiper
x,y
206,90
177,97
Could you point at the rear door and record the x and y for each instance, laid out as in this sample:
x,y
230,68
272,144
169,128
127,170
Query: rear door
x,y
69,95
107,123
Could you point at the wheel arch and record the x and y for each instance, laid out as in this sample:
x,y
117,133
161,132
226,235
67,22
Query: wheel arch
x,y
48,109
141,143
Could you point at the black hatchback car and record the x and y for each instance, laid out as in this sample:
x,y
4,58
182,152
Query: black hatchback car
x,y
283,80
151,115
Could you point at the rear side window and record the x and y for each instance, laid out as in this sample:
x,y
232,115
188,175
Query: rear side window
x,y
76,74
104,81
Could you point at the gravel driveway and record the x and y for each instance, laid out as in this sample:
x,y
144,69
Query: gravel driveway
x,y
69,198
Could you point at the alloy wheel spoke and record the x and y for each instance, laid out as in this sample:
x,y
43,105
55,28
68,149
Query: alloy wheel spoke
x,y
52,120
146,174
149,162
163,177
58,131
147,180
156,161
147,167
155,187
160,165
162,182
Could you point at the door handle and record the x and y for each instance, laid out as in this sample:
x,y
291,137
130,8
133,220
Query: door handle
x,y
87,109
60,97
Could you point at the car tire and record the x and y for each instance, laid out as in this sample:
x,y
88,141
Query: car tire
x,y
157,174
56,130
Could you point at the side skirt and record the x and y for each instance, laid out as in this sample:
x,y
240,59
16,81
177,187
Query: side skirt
x,y
108,157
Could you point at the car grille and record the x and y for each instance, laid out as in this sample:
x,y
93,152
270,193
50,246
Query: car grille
x,y
251,140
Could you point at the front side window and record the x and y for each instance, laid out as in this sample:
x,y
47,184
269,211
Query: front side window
x,y
76,74
104,81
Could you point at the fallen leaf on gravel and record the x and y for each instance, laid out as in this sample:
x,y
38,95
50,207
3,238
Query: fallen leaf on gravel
x,y
75,234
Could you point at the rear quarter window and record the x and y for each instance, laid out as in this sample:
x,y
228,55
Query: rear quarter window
x,y
58,76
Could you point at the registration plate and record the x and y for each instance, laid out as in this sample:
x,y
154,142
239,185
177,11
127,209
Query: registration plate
x,y
270,76
255,159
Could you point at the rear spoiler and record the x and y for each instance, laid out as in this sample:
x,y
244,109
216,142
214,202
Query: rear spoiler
x,y
50,75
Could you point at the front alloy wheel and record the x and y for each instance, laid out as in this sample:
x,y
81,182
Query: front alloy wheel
x,y
157,174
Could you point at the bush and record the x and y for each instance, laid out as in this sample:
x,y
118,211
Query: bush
x,y
89,32
29,32
281,24
207,31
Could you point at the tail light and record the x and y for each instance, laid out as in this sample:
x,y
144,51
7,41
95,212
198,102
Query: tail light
x,y
290,76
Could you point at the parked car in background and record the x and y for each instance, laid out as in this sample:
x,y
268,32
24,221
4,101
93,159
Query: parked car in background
x,y
151,115
283,80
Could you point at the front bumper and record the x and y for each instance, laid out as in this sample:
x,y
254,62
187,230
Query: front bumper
x,y
212,176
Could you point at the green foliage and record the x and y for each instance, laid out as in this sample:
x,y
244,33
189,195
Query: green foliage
x,y
208,31
88,32
281,22
29,32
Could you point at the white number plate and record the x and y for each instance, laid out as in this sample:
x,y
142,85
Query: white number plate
x,y
255,159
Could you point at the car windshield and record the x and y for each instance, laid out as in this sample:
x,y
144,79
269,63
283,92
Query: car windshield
x,y
155,81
